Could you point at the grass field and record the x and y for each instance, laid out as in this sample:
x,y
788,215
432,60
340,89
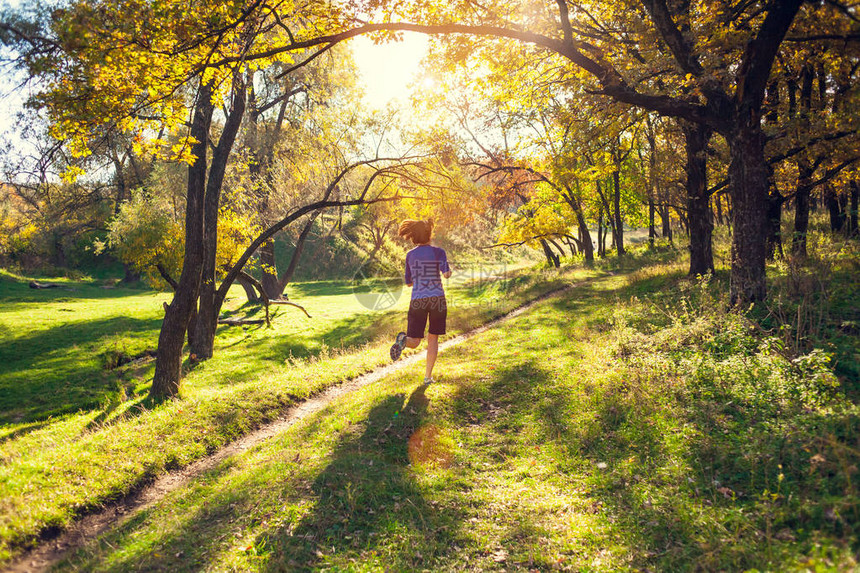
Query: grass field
x,y
632,424
77,429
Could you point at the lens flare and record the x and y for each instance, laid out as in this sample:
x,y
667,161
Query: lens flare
x,y
427,446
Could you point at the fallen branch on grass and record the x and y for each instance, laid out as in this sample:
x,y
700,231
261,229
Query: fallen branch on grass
x,y
240,321
38,285
298,306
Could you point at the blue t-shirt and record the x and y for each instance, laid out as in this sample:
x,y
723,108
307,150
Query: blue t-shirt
x,y
424,267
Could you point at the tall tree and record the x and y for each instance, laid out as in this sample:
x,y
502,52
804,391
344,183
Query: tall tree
x,y
715,63
102,72
699,216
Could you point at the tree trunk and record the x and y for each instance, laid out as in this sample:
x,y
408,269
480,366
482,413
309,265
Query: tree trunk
x,y
168,360
774,224
560,250
699,217
601,248
297,253
129,274
665,222
855,207
749,194
607,209
249,289
843,210
58,258
652,231
585,238
682,220
718,203
618,236
192,326
801,208
730,213
585,244
269,278
207,313
804,167
551,258
652,181
834,209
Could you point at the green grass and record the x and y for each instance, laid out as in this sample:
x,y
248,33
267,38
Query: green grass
x,y
56,343
633,424
77,432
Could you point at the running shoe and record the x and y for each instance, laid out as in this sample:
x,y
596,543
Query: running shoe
x,y
398,346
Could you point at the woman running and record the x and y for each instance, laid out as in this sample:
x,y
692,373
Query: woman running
x,y
425,267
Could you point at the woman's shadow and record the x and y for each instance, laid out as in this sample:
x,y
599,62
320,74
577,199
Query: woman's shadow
x,y
368,497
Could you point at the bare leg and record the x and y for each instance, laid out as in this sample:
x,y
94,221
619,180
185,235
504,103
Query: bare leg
x,y
413,342
432,352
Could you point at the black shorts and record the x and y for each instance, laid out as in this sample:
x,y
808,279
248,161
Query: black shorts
x,y
434,307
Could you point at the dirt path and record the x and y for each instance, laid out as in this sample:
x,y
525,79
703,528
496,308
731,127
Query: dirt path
x,y
44,556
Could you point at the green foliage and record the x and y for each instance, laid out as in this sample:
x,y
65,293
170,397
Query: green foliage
x,y
50,225
765,438
813,305
57,343
144,234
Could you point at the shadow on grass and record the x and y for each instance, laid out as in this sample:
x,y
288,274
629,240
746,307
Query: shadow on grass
x,y
704,475
592,428
139,405
321,288
598,426
362,328
705,492
367,500
183,544
347,333
23,430
17,290
45,373
365,494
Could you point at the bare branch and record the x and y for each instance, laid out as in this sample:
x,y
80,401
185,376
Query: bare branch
x,y
306,61
564,15
678,45
524,241
166,276
758,57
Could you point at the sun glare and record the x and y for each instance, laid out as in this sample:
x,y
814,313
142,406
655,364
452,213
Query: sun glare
x,y
388,69
428,84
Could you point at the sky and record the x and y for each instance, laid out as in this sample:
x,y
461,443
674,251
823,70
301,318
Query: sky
x,y
10,99
387,69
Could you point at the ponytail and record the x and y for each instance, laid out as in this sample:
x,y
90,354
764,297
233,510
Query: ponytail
x,y
418,232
